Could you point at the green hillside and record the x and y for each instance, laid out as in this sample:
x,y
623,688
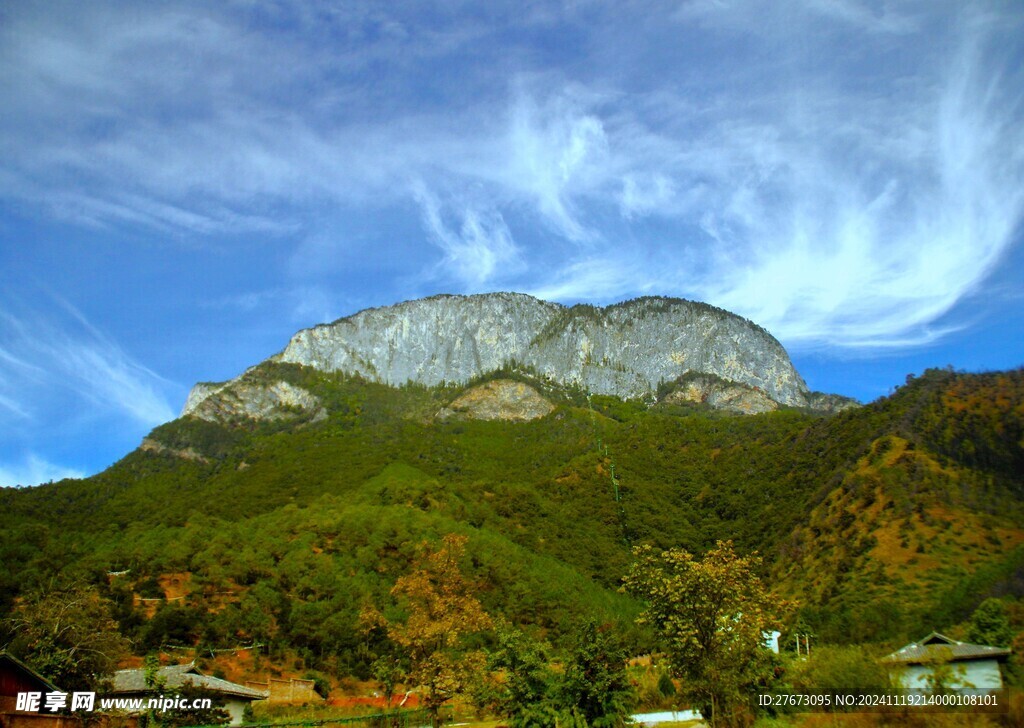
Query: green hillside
x,y
883,522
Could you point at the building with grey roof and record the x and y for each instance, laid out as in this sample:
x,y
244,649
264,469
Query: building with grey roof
x,y
972,666
172,678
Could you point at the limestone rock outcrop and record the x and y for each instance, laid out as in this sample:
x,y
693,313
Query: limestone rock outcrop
x,y
273,401
720,394
501,399
626,350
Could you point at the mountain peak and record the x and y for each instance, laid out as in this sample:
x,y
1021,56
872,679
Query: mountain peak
x,y
627,349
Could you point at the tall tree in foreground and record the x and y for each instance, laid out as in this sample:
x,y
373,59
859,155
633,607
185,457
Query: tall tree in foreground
x,y
442,613
713,615
68,634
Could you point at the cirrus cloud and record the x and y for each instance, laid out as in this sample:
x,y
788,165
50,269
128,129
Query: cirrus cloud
x,y
842,172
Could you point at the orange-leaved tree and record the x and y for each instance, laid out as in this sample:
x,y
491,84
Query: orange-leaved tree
x,y
441,613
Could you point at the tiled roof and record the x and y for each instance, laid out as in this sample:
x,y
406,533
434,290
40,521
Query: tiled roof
x,y
937,648
176,676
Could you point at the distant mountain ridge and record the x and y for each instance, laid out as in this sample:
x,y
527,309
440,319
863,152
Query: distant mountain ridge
x,y
626,350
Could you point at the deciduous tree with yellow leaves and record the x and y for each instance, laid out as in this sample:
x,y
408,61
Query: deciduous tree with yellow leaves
x,y
442,613
713,615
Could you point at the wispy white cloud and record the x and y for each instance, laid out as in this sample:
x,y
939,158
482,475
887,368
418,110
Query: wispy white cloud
x,y
867,235
645,194
69,354
13,407
845,175
764,16
885,18
33,470
834,216
557,151
480,251
597,279
110,378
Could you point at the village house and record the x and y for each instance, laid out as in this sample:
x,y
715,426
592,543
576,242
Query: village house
x,y
972,666
17,677
230,696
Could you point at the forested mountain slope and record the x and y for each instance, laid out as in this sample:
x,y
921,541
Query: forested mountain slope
x,y
881,521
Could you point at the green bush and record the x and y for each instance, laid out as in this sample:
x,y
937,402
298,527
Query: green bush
x,y
840,669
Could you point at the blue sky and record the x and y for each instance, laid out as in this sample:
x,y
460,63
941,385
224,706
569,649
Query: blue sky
x,y
185,185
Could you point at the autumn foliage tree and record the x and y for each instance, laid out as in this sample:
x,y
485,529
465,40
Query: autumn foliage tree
x,y
441,613
712,615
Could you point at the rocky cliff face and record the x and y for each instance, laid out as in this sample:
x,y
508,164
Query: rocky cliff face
x,y
242,399
625,350
720,394
501,399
